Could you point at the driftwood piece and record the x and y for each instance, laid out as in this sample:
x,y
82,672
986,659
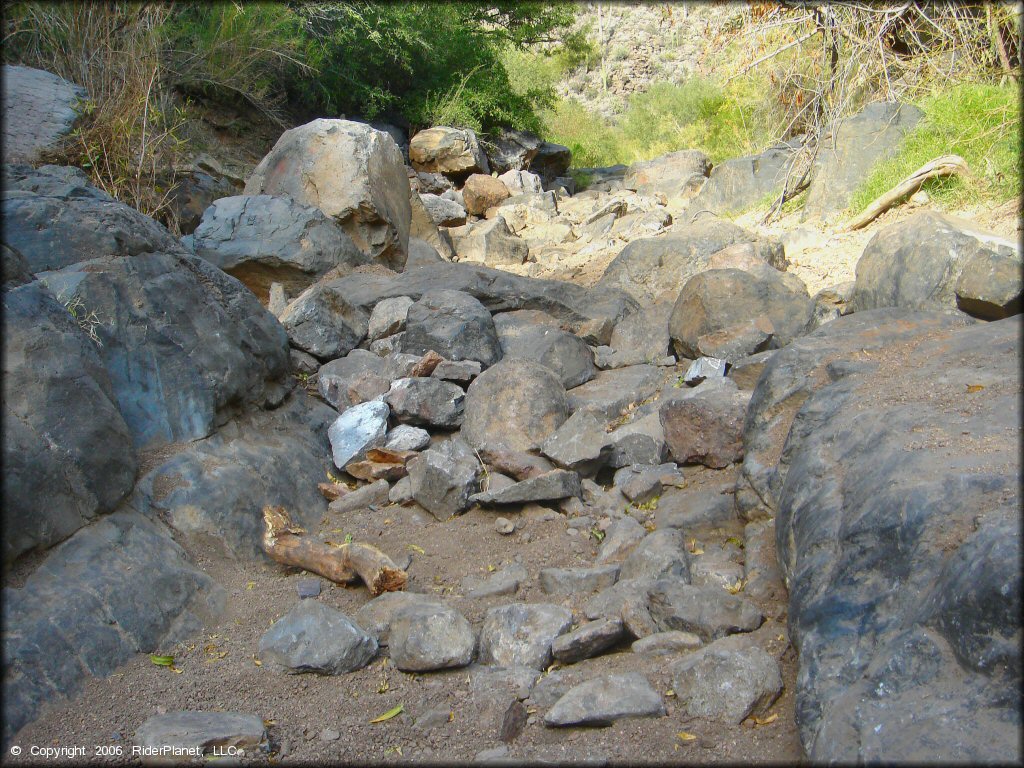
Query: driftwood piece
x,y
285,543
946,165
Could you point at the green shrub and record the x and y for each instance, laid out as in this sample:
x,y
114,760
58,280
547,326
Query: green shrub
x,y
979,122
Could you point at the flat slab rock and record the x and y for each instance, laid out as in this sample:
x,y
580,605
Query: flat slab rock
x,y
603,700
587,640
556,484
203,730
315,638
708,612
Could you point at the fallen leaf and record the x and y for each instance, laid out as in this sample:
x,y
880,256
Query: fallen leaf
x,y
269,723
256,661
394,712
684,736
451,717
250,585
766,720
415,548
175,670
972,388
491,568
734,589
162,661
348,538
670,692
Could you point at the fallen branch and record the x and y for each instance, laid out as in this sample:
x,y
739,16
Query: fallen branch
x,y
284,542
946,165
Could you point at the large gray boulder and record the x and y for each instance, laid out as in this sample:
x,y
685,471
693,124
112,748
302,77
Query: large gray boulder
x,y
849,151
512,150
55,218
565,354
443,478
117,588
425,637
653,268
353,173
727,684
186,346
39,109
454,152
262,239
934,261
324,324
728,301
898,531
674,175
58,407
454,325
735,185
208,732
514,405
522,634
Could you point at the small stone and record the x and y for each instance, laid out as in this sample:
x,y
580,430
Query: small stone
x,y
621,536
368,496
459,371
308,588
488,755
588,640
667,642
388,317
727,685
504,526
556,484
405,437
605,699
504,582
704,368
203,730
329,734
426,401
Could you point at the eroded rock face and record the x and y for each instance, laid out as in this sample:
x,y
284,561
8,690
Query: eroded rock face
x,y
353,173
934,261
39,109
738,184
898,529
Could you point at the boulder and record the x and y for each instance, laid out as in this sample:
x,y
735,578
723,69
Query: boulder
x,y
356,430
522,634
653,268
423,231
587,640
735,185
444,213
337,380
443,478
454,152
603,700
619,539
707,427
56,219
551,161
643,336
324,324
929,259
727,685
185,345
388,317
709,612
849,151
192,194
407,438
491,242
641,441
262,239
313,637
697,510
377,615
580,444
58,405
426,401
907,476
350,171
117,587
564,354
721,299
514,405
482,192
659,554
512,150
550,486
611,393
519,182
426,637
209,732
675,175
453,324
560,582
39,109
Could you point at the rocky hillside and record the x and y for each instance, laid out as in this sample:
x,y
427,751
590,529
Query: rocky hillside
x,y
408,452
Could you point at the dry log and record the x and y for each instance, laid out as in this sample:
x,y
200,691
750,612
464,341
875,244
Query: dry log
x,y
940,166
285,543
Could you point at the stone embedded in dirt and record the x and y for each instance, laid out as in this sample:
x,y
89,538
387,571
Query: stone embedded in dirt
x,y
453,324
443,212
426,401
556,484
376,616
568,357
444,478
610,393
496,754
427,637
335,378
518,680
605,699
206,731
313,637
326,327
356,430
708,612
737,341
762,577
587,640
407,438
329,734
504,526
659,554
401,491
747,370
718,299
351,172
620,537
640,483
697,510
482,192
503,582
514,405
704,368
580,444
608,602
450,151
707,427
376,493
641,441
460,371
925,261
559,582
727,685
388,317
308,588
522,633
672,641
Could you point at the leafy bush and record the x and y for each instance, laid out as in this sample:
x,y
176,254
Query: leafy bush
x,y
981,123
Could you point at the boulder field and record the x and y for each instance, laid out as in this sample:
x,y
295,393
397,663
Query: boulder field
x,y
753,466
